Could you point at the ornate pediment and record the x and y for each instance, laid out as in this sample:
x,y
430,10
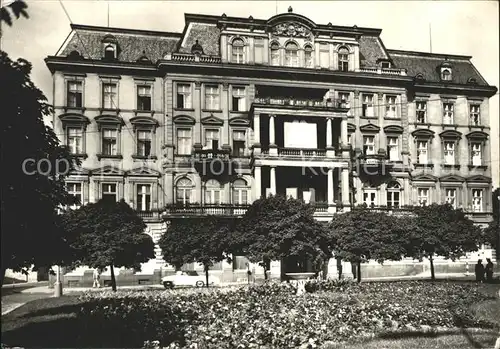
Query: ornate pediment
x,y
424,178
451,134
74,118
351,128
369,128
423,133
239,122
108,171
291,30
393,129
478,179
479,135
143,171
451,178
144,121
212,120
184,119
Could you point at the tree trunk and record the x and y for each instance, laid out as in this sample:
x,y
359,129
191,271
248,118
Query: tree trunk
x,y
206,274
358,272
113,279
433,275
3,274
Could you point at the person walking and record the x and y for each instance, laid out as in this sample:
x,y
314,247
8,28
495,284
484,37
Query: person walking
x,y
489,270
97,278
479,270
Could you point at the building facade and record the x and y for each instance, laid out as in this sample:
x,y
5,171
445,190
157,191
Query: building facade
x,y
232,109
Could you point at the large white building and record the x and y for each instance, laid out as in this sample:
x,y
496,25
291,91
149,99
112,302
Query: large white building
x,y
230,109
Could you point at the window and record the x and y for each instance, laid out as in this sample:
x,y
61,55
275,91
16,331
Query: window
x,y
446,75
75,190
448,113
385,65
343,59
474,114
74,94
308,57
212,139
451,197
212,192
370,197
324,55
421,112
239,143
476,156
184,96
422,152
275,54
212,97
239,100
144,142
240,192
291,55
237,51
109,52
449,153
423,196
109,142
367,106
393,148
109,100
144,98
109,193
369,145
259,50
393,195
344,99
144,197
477,200
390,107
184,146
183,191
75,140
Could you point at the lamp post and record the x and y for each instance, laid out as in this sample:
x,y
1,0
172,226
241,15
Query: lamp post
x,y
58,291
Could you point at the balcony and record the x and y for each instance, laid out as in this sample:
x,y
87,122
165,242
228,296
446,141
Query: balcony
x,y
214,162
383,71
189,58
148,216
205,210
299,103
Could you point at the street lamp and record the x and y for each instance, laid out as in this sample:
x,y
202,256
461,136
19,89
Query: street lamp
x,y
58,290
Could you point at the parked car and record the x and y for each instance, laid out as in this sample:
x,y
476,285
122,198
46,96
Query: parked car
x,y
188,278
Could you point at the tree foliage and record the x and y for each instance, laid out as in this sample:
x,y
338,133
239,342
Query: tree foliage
x,y
107,234
18,9
275,228
31,195
363,234
443,231
203,240
491,235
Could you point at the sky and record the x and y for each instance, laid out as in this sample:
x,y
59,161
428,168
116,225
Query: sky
x,y
456,27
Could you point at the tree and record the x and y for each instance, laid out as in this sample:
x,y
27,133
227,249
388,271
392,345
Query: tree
x,y
34,187
363,234
276,228
491,235
17,7
108,234
203,240
441,230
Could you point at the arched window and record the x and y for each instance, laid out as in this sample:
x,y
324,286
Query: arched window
x,y
184,190
275,54
237,51
446,75
393,195
291,55
343,59
240,192
109,52
212,192
308,57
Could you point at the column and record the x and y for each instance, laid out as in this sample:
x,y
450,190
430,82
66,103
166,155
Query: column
x,y
331,201
343,137
225,107
328,133
273,149
272,173
257,182
256,134
197,107
345,186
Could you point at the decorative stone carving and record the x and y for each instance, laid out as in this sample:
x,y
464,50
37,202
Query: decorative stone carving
x,y
291,29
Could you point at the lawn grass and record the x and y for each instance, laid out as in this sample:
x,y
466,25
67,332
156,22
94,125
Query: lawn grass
x,y
53,323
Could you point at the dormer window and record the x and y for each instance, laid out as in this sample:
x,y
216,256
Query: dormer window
x,y
446,75
109,52
275,54
237,51
308,57
385,65
197,49
110,47
472,81
291,55
343,59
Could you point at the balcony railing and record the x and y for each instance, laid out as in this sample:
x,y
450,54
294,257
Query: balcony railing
x,y
383,71
301,152
210,154
186,57
206,209
303,103
147,215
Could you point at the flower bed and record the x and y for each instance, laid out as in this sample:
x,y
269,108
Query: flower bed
x,y
272,316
